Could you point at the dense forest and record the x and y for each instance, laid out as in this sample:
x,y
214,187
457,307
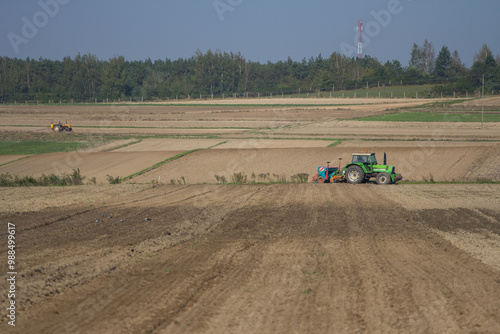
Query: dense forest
x,y
85,78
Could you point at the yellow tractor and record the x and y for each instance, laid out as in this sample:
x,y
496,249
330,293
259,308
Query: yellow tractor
x,y
58,127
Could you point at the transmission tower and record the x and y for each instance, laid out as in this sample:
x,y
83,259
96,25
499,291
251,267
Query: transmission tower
x,y
360,38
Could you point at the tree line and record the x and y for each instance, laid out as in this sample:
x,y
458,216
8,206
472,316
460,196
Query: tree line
x,y
85,78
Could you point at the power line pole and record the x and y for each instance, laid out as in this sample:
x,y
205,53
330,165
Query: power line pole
x,y
482,106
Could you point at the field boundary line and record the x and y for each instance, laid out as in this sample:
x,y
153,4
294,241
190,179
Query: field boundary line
x,y
6,163
123,145
431,117
175,157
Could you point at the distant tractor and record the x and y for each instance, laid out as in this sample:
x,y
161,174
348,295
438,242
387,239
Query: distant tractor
x,y
59,127
362,168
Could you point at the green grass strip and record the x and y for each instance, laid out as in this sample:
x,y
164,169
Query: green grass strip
x,y
175,157
335,143
21,158
36,147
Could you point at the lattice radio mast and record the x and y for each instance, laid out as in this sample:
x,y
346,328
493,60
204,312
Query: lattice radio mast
x,y
360,38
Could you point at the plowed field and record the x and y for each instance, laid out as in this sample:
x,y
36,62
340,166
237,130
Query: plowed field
x,y
256,259
416,162
96,164
184,254
265,160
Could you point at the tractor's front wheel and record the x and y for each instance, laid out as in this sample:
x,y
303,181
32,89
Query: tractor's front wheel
x,y
355,174
321,179
383,178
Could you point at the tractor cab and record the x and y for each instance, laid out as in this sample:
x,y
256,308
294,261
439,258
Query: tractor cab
x,y
367,159
364,158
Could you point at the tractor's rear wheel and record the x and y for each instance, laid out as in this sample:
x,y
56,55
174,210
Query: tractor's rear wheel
x,y
383,178
355,174
321,179
57,129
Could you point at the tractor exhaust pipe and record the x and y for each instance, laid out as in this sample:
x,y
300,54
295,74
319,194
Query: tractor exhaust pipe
x,y
385,159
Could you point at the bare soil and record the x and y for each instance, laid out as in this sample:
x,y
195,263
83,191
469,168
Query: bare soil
x,y
146,257
178,116
436,131
276,118
5,159
255,259
159,145
309,101
417,162
35,199
488,102
91,164
259,143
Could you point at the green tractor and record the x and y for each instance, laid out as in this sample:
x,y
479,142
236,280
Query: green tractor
x,y
362,168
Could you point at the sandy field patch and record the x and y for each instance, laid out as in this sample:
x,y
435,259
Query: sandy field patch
x,y
157,144
272,143
482,245
489,102
362,144
426,160
96,164
443,196
33,199
111,146
4,159
396,130
299,101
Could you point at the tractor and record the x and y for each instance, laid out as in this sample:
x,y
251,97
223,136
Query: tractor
x,y
362,168
59,127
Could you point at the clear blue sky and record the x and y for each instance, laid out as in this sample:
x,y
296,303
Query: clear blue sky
x,y
261,30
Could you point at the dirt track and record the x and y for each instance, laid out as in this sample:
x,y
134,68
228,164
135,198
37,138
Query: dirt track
x,y
254,259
